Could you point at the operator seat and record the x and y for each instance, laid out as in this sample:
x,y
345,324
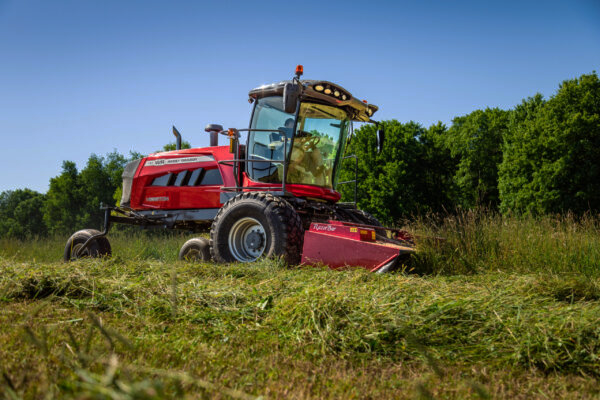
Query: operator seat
x,y
306,163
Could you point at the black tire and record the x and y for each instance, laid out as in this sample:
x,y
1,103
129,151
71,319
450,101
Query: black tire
x,y
362,217
99,247
195,250
256,224
357,216
371,220
366,218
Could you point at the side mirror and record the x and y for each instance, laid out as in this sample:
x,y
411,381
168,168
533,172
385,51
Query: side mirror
x,y
291,93
380,139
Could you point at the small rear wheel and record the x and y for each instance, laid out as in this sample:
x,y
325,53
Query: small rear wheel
x,y
256,224
195,250
99,247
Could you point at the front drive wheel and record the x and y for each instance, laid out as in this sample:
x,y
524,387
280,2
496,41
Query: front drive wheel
x,y
99,247
256,224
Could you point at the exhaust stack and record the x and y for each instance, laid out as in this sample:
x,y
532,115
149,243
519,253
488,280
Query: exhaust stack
x,y
177,138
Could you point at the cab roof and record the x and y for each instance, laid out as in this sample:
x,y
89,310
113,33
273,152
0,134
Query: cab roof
x,y
322,92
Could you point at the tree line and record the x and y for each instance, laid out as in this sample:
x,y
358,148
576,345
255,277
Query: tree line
x,y
542,156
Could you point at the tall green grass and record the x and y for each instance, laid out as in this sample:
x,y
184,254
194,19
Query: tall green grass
x,y
473,242
135,245
467,243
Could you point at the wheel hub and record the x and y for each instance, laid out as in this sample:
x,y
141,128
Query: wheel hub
x,y
247,239
254,240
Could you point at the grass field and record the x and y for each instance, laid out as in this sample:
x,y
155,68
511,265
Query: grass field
x,y
503,308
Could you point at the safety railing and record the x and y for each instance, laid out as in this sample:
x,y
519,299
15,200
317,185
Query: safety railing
x,y
237,160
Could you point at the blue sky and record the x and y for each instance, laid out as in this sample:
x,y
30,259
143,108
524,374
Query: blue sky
x,y
80,77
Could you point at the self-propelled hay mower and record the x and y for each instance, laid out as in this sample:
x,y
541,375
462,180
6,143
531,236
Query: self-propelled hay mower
x,y
275,195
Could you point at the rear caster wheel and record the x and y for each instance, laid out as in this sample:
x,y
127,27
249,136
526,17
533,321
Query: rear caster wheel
x,y
195,250
99,247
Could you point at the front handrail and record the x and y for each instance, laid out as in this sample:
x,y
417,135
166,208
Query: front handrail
x,y
235,162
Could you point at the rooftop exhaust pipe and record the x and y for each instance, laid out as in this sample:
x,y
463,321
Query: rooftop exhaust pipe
x,y
177,138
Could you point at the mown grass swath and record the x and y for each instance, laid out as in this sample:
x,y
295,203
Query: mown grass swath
x,y
503,307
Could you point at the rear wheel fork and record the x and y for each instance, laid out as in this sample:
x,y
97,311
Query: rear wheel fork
x,y
89,242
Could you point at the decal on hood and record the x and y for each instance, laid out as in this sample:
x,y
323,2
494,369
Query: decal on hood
x,y
180,160
162,198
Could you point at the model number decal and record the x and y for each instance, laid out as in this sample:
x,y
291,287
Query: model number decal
x,y
157,198
180,160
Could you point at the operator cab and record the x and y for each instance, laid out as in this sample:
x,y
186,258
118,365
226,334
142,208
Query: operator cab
x,y
311,136
314,141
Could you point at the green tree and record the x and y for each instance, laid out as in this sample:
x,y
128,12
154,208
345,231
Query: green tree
x,y
552,161
114,163
171,146
520,158
438,167
21,214
475,141
409,175
74,198
64,202
96,188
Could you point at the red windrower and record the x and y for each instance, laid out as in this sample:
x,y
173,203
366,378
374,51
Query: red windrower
x,y
199,188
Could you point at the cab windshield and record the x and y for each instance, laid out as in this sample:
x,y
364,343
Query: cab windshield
x,y
314,143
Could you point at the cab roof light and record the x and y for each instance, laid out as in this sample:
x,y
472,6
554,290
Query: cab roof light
x,y
331,90
299,71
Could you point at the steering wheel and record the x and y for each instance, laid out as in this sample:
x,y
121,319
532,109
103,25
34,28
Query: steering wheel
x,y
309,141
